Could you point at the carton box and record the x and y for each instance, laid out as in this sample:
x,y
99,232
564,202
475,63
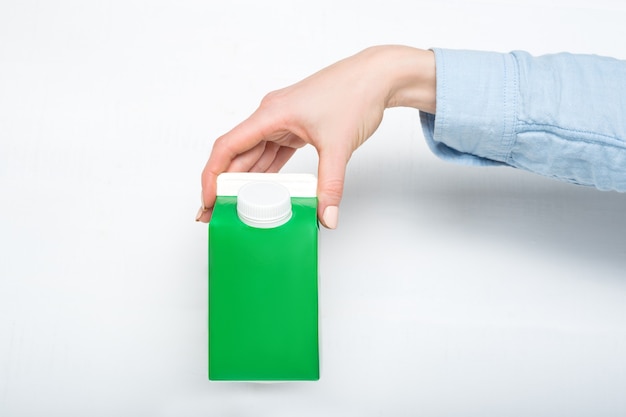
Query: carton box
x,y
263,293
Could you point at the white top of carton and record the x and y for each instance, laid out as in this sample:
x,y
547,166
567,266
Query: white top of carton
x,y
299,185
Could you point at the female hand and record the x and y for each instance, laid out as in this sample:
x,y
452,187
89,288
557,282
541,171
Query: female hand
x,y
335,110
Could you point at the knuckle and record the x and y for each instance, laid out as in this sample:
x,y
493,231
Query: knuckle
x,y
269,99
274,99
332,189
219,142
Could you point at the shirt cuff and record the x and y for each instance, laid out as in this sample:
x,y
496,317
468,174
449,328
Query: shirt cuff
x,y
476,106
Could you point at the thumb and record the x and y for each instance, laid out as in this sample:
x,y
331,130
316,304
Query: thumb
x,y
331,174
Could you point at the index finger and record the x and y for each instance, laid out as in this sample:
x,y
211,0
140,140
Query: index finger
x,y
227,147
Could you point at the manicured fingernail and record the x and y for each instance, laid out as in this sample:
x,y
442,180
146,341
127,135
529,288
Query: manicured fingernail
x,y
331,217
200,213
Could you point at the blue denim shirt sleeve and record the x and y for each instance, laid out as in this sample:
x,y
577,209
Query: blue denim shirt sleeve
x,y
560,115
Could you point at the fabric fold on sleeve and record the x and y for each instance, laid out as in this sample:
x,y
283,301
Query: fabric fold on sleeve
x,y
558,115
476,105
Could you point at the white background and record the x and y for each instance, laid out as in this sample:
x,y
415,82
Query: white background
x,y
445,291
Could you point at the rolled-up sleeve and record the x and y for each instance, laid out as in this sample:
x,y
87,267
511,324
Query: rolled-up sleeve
x,y
560,115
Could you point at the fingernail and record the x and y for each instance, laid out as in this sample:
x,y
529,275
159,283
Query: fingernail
x,y
331,217
200,213
202,209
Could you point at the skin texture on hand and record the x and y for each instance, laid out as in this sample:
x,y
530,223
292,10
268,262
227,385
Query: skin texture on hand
x,y
335,110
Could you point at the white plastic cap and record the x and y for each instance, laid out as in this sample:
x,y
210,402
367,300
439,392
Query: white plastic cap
x,y
264,204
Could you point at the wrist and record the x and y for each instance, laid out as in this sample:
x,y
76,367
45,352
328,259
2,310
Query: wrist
x,y
411,75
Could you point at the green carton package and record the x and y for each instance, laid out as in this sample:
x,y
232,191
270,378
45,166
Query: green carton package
x,y
263,317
